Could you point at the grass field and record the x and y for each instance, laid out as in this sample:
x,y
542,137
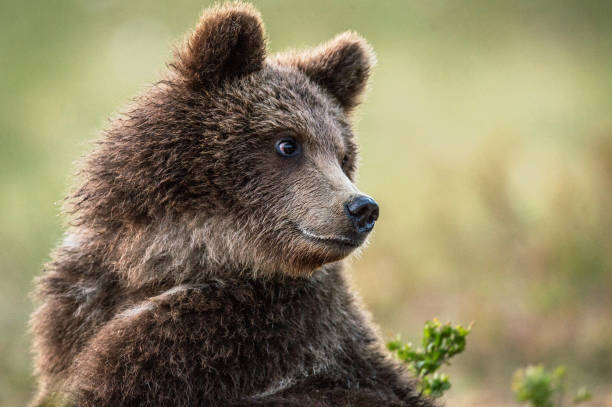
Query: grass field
x,y
486,137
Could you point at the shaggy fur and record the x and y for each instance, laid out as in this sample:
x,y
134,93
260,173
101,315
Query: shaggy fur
x,y
202,268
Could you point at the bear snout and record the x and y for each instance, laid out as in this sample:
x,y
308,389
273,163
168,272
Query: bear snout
x,y
363,212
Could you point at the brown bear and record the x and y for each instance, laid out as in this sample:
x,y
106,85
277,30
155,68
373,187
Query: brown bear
x,y
202,265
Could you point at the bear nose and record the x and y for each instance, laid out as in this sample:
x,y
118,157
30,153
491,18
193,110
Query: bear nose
x,y
362,212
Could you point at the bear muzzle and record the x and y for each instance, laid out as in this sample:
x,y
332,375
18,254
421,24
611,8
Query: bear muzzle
x,y
362,212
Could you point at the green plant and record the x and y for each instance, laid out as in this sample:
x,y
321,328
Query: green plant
x,y
544,388
440,343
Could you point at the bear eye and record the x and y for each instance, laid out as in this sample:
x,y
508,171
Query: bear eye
x,y
345,160
287,147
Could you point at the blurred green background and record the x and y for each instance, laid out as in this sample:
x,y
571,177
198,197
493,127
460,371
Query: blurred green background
x,y
486,137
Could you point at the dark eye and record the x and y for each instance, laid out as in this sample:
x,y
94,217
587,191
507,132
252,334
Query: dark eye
x,y
345,160
287,147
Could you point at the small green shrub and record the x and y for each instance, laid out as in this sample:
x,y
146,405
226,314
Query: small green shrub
x,y
440,343
544,388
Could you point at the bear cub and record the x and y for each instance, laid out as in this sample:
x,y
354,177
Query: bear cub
x,y
203,261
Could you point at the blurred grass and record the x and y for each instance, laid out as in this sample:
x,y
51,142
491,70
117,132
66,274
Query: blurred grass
x,y
486,137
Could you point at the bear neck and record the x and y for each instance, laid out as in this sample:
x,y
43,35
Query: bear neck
x,y
170,252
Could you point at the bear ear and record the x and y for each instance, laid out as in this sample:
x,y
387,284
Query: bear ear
x,y
228,42
342,67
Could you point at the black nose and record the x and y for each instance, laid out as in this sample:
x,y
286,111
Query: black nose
x,y
363,212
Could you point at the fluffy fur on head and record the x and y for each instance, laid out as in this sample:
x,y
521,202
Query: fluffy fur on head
x,y
342,66
228,42
198,150
203,265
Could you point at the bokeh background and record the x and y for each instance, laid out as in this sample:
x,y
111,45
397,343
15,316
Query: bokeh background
x,y
486,137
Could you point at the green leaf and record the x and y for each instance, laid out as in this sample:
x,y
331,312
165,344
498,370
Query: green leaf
x,y
439,343
539,387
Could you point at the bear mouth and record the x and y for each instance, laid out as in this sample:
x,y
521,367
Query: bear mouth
x,y
343,242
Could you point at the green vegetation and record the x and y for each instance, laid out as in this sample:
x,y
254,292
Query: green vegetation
x,y
440,343
543,388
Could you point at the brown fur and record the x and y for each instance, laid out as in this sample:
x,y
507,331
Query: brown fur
x,y
201,268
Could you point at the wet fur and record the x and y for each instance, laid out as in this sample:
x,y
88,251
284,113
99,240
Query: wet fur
x,y
184,278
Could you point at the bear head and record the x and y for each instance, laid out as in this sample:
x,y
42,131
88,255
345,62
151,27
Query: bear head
x,y
252,153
